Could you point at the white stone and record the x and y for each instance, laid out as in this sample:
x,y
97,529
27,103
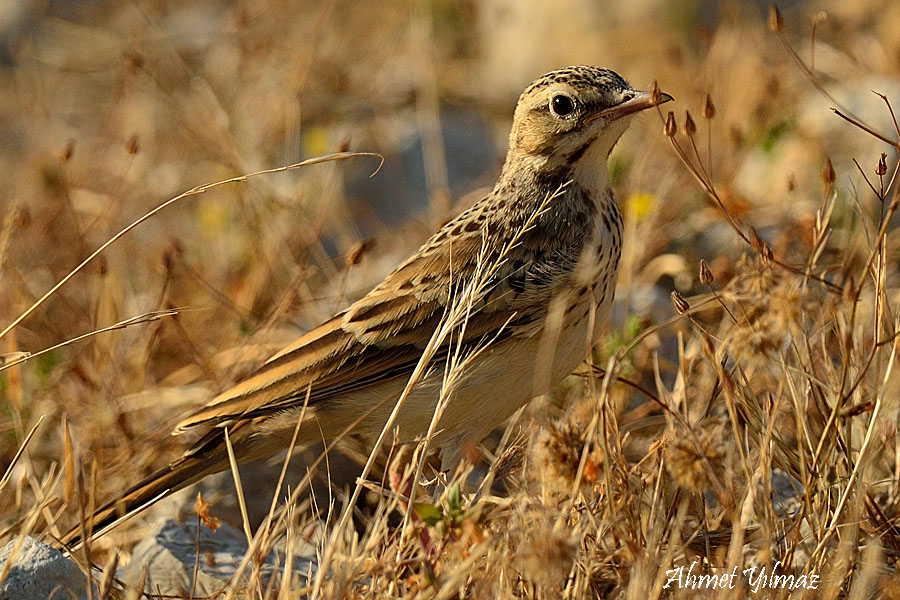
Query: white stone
x,y
169,555
39,572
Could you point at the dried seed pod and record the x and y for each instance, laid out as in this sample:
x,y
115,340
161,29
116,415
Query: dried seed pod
x,y
343,145
671,128
690,127
852,411
681,305
827,174
706,276
170,255
359,250
133,61
132,147
101,267
709,109
881,167
68,151
655,94
776,21
755,241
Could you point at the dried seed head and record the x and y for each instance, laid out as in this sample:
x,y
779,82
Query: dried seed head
x,y
881,167
788,306
655,94
671,128
693,457
776,21
546,552
709,109
706,276
755,343
558,451
681,305
754,278
510,462
690,127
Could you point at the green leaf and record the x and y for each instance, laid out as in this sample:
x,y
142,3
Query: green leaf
x,y
454,499
429,513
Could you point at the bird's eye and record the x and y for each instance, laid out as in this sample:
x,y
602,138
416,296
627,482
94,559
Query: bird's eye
x,y
562,105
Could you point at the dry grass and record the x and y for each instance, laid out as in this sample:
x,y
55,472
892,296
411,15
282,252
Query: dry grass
x,y
763,424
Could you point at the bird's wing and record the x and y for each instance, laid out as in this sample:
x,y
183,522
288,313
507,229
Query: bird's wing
x,y
382,336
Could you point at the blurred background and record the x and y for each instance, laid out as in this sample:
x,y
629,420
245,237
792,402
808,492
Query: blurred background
x,y
107,109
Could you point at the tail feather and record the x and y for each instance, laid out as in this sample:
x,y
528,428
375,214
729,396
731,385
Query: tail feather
x,y
167,480
208,455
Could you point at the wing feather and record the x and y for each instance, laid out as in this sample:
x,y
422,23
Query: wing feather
x,y
379,337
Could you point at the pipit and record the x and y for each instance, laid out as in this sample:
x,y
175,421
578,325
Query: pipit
x,y
538,256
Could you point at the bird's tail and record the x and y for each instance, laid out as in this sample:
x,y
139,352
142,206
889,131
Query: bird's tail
x,y
167,480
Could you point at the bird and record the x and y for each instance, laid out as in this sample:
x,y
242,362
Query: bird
x,y
536,261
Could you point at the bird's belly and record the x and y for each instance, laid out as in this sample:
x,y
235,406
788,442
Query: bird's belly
x,y
502,379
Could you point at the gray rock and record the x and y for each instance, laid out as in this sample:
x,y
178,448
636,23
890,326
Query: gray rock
x,y
787,494
39,572
169,556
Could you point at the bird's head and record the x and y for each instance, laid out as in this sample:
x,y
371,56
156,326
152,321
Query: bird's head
x,y
574,116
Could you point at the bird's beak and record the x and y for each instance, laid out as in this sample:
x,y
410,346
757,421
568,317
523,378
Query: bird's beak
x,y
641,101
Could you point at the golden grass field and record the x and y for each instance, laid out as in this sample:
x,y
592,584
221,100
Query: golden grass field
x,y
762,426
